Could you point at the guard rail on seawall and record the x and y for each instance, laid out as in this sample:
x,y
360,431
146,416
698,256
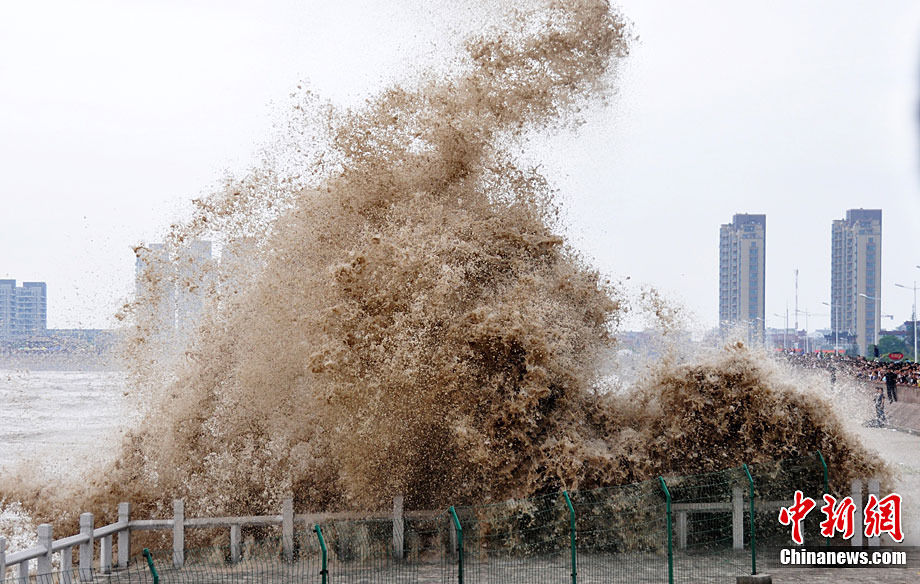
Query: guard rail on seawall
x,y
47,545
907,392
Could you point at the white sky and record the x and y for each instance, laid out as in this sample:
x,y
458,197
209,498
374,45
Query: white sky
x,y
113,115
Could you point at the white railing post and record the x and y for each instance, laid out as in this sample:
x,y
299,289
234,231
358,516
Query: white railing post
x,y
105,554
124,536
45,539
856,495
235,543
86,548
738,518
66,561
24,572
2,559
398,527
682,530
287,529
178,533
874,488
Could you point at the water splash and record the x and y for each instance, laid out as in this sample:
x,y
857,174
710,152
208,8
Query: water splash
x,y
397,315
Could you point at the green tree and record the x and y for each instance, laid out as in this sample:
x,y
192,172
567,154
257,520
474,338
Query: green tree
x,y
892,344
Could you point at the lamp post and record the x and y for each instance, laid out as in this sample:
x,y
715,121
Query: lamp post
x,y
808,313
877,323
836,309
805,312
785,330
913,316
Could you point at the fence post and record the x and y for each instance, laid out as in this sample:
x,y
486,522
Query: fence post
x,y
571,507
2,559
324,572
681,530
24,572
178,533
45,539
86,548
824,466
827,540
856,494
874,488
66,561
667,495
235,533
451,538
287,529
105,554
124,536
737,519
459,531
747,471
399,527
151,567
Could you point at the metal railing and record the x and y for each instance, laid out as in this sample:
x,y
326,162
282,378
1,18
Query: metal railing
x,y
674,527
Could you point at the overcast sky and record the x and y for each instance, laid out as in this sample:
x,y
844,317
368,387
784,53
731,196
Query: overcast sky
x,y
113,115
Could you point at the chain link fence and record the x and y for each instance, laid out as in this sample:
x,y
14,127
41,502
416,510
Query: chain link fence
x,y
709,527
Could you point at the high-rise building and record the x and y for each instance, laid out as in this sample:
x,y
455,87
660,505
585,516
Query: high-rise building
x,y
7,308
171,288
192,278
154,286
23,309
742,270
856,277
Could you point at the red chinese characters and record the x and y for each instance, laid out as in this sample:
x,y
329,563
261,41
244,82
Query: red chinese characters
x,y
838,517
879,516
884,516
794,515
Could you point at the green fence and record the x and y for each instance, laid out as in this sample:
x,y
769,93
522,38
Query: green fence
x,y
707,527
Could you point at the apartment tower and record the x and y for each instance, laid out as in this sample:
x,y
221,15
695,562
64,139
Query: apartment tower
x,y
856,276
171,284
742,270
23,310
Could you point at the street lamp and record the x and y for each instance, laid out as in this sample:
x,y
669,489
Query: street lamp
x,y
836,308
877,323
913,316
797,313
807,313
785,330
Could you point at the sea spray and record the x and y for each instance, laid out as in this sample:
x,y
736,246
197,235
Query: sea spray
x,y
399,316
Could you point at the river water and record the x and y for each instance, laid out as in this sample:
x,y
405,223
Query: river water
x,y
61,422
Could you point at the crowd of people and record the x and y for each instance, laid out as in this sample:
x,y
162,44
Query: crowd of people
x,y
892,373
872,371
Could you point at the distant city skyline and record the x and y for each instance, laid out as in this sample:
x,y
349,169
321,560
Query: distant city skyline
x,y
855,287
795,110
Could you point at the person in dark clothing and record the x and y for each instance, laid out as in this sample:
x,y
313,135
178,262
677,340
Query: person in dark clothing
x,y
891,382
880,416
